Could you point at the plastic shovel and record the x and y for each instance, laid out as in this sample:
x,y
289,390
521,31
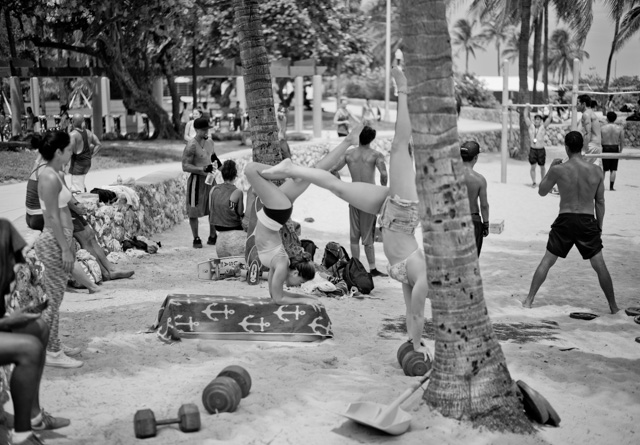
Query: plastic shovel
x,y
388,418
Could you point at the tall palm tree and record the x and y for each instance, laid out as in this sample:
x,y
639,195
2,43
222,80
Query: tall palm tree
x,y
523,57
510,51
625,27
498,33
470,378
562,50
464,37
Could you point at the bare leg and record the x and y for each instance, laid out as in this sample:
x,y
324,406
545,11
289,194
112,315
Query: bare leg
x,y
543,172
81,277
40,330
612,179
355,250
25,352
364,196
606,283
370,252
193,223
539,276
88,242
270,194
533,174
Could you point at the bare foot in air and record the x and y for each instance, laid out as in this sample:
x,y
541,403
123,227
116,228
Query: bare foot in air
x,y
281,171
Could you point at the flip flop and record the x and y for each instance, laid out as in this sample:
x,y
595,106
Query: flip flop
x,y
534,404
638,339
637,319
554,418
583,315
632,311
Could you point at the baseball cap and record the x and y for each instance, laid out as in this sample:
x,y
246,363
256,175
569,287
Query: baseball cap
x,y
470,149
201,123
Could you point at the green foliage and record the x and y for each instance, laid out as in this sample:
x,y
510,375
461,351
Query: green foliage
x,y
367,86
473,91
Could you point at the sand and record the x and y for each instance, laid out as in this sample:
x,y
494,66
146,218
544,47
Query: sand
x,y
588,370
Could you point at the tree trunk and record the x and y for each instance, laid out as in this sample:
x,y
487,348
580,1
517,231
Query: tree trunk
x,y
498,49
10,39
537,43
194,78
523,70
545,56
175,101
338,83
469,379
255,66
613,50
466,62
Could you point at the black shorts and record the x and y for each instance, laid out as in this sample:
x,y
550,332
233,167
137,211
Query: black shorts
x,y
281,216
477,231
35,222
575,228
610,164
79,222
537,156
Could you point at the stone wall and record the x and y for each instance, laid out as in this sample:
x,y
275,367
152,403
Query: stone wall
x,y
162,205
482,114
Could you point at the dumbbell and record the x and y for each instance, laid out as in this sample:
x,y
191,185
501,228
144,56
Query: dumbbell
x,y
224,392
413,363
145,423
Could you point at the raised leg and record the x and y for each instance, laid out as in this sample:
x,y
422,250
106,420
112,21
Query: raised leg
x,y
270,194
606,283
539,277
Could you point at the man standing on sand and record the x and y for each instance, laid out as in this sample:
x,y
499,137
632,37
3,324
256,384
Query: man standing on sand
x,y
612,142
198,159
477,190
581,186
362,162
84,146
590,129
537,152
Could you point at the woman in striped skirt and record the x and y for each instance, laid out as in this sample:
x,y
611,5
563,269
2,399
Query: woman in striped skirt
x,y
53,246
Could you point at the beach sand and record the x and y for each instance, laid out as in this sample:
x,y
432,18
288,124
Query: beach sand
x,y
588,370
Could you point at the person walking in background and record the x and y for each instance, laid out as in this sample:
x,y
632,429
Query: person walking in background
x,y
53,246
581,186
368,113
342,119
31,120
612,142
537,152
189,131
84,146
609,106
237,117
198,159
477,191
24,336
591,133
362,162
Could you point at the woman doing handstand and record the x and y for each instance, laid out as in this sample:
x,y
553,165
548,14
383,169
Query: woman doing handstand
x,y
277,208
398,209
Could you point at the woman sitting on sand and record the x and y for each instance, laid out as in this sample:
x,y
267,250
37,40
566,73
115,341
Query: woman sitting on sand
x,y
277,208
398,209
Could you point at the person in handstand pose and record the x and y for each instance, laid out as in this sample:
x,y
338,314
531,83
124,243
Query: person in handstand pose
x,y
398,209
277,208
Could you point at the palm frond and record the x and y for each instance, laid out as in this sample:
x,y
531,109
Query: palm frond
x,y
629,26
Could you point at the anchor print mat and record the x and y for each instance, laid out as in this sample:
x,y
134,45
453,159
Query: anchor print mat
x,y
239,318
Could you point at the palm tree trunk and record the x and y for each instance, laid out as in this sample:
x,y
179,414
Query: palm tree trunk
x,y
255,65
537,43
498,49
470,378
613,50
523,69
545,56
466,63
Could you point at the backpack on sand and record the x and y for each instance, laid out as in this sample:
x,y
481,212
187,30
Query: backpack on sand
x,y
355,275
309,247
335,258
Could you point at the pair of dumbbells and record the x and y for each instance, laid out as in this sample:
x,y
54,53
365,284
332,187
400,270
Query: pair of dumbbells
x,y
145,423
224,392
413,363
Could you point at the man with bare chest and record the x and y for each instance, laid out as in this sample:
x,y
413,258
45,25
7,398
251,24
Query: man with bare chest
x,y
477,191
199,159
591,133
612,141
362,162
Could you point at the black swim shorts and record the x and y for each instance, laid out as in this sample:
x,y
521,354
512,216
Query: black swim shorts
x,y
610,164
575,228
537,156
79,222
478,229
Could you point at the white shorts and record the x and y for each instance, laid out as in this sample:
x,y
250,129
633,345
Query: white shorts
x,y
77,183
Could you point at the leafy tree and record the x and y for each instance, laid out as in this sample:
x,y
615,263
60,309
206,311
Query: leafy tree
x,y
617,9
469,378
498,33
562,50
464,37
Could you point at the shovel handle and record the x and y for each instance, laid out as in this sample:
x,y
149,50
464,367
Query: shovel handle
x,y
405,395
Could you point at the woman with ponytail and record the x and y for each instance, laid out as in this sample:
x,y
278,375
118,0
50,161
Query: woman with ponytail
x,y
277,208
53,246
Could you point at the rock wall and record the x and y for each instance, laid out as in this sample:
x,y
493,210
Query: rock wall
x,y
162,205
481,114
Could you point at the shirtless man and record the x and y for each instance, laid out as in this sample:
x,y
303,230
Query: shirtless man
x,y
591,133
198,159
362,162
477,190
612,141
581,188
537,152
84,145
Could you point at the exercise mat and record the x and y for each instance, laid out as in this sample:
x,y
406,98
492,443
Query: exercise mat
x,y
218,317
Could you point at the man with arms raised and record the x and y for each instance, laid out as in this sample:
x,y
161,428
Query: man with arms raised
x,y
477,190
591,133
581,189
362,162
84,146
612,141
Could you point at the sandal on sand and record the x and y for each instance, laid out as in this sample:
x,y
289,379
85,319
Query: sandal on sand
x,y
632,311
637,319
583,315
534,404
